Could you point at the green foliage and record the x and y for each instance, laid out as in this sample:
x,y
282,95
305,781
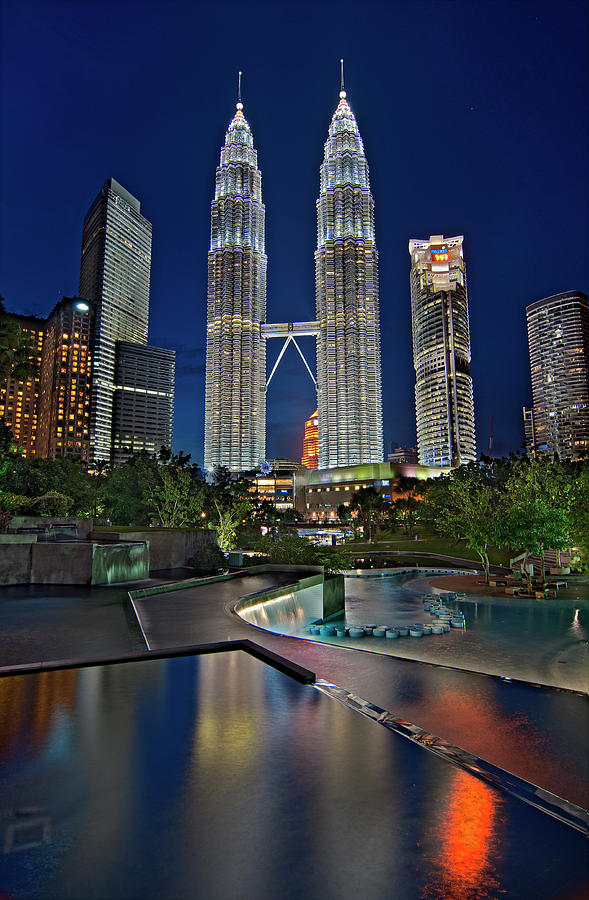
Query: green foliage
x,y
294,550
50,504
175,491
370,509
579,515
208,560
36,478
540,497
228,502
123,492
468,504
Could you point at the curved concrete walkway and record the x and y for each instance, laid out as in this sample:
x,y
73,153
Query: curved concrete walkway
x,y
537,734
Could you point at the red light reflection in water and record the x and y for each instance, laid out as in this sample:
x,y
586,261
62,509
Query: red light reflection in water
x,y
467,842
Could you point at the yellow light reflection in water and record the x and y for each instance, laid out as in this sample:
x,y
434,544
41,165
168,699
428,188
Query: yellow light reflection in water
x,y
467,841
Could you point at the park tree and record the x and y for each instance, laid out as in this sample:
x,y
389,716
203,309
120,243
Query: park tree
x,y
228,501
123,490
175,490
580,513
37,478
467,504
539,513
370,509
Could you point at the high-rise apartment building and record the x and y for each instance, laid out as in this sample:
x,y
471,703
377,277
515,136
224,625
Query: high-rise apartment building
x,y
19,398
441,352
346,285
558,338
143,412
310,457
235,383
115,274
66,380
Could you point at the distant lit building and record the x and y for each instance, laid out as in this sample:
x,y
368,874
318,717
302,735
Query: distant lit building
x,y
310,443
320,493
115,274
276,482
66,380
19,399
346,288
235,381
558,338
441,352
143,410
403,455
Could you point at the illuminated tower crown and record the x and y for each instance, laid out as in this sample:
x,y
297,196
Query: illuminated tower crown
x,y
346,283
235,404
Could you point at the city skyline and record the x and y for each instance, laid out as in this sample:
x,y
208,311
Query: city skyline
x,y
511,182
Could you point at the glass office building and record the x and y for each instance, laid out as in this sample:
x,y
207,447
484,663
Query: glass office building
x,y
558,338
115,274
349,394
441,352
235,383
143,411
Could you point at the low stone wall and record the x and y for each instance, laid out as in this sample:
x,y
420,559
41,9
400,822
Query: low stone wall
x,y
167,549
83,526
71,562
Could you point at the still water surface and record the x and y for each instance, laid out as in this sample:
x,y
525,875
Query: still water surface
x,y
219,777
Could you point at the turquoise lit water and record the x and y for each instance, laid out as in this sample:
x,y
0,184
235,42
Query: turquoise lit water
x,y
540,641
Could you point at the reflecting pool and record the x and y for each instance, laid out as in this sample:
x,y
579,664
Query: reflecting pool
x,y
219,777
539,641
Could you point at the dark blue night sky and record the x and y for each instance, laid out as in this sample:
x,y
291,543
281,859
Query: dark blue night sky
x,y
474,120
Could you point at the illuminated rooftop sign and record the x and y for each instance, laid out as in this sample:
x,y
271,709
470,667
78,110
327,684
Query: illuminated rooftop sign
x,y
440,254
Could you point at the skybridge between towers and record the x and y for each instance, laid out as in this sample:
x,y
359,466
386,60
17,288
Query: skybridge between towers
x,y
290,331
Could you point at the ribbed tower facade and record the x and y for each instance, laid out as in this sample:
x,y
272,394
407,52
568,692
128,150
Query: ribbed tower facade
x,y
235,399
441,352
349,394
558,337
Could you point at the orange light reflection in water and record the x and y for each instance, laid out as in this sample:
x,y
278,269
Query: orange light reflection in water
x,y
466,836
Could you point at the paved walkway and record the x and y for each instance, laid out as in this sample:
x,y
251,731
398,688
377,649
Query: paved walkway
x,y
537,734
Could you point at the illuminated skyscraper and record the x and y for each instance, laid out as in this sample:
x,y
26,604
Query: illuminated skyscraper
x,y
235,399
346,289
558,337
115,273
441,352
65,386
310,443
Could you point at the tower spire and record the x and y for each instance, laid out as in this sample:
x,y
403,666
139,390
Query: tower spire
x,y
342,91
239,104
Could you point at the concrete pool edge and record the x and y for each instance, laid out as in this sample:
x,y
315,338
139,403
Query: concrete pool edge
x,y
544,801
286,666
233,606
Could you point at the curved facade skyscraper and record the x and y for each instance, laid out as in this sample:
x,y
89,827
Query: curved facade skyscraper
x,y
346,287
441,352
235,401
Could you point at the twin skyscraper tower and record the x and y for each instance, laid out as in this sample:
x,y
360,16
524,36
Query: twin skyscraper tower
x,y
347,331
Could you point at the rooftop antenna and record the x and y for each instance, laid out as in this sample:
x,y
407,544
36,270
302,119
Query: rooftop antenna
x,y
239,103
342,92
